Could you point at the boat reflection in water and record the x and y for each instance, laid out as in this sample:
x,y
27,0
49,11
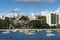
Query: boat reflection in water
x,y
49,33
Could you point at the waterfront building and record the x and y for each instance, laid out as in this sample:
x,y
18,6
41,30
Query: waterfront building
x,y
53,18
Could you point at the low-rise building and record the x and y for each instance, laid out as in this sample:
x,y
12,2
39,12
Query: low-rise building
x,y
32,17
2,17
42,19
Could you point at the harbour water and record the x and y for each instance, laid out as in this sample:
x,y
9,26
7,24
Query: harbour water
x,y
41,35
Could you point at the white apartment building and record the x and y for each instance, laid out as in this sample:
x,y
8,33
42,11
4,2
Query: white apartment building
x,y
2,17
53,19
32,17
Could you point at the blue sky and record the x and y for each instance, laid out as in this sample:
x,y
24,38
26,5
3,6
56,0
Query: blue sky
x,y
28,7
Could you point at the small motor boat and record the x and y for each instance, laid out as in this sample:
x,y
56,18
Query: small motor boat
x,y
15,30
29,32
50,34
48,31
6,32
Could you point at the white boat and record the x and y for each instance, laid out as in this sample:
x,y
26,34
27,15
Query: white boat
x,y
32,31
21,31
6,32
50,34
29,32
26,30
15,30
38,30
48,31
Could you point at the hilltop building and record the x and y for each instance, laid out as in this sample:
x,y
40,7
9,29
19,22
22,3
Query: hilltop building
x,y
32,17
2,17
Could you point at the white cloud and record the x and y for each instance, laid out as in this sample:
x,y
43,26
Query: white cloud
x,y
3,13
34,13
44,12
11,14
16,9
57,11
8,14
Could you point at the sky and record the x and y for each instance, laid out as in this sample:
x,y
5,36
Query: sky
x,y
27,7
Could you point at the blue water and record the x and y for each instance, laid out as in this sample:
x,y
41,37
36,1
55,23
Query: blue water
x,y
36,36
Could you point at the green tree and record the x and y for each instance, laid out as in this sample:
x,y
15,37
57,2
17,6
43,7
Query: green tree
x,y
24,18
37,24
45,25
34,24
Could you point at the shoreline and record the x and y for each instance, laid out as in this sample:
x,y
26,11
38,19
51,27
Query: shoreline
x,y
25,29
